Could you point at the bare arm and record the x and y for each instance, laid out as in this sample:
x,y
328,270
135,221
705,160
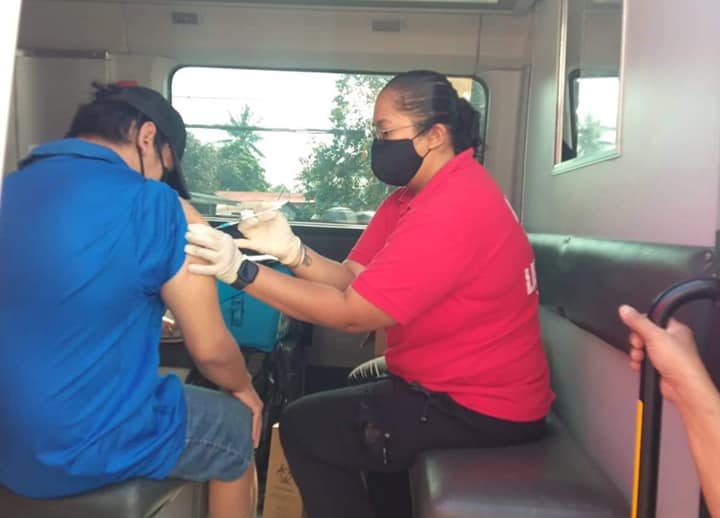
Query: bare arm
x,y
317,303
194,303
318,268
699,406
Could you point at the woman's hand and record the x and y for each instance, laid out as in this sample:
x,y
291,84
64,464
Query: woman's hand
x,y
217,248
270,233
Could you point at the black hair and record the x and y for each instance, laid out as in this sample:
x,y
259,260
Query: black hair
x,y
108,119
431,99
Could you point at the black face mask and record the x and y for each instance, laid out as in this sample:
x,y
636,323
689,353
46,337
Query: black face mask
x,y
395,162
165,171
165,178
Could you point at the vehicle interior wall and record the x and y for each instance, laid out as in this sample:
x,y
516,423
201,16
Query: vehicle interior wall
x,y
11,146
8,35
662,188
279,37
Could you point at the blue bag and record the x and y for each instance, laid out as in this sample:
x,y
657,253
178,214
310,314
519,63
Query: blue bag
x,y
251,322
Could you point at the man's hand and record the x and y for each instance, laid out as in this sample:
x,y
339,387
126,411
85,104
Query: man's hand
x,y
217,248
270,233
251,400
672,351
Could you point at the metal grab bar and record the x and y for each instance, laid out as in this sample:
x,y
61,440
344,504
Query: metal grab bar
x,y
647,453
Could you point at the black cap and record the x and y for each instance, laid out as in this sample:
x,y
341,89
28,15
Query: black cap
x,y
168,121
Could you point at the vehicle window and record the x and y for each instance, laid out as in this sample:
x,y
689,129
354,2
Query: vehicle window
x,y
298,137
589,93
594,102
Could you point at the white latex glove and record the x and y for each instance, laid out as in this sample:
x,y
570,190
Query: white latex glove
x,y
216,247
270,233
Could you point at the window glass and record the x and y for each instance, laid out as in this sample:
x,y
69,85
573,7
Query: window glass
x,y
595,114
299,137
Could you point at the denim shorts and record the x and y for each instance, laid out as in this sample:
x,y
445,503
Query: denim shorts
x,y
218,438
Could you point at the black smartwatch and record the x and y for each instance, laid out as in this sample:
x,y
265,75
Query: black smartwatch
x,y
246,274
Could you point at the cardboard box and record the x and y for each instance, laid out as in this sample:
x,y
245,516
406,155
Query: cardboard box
x,y
282,496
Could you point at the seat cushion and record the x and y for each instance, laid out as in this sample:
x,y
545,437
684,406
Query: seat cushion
x,y
132,499
552,478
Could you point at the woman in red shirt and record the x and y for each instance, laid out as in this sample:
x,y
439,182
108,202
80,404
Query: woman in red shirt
x,y
446,268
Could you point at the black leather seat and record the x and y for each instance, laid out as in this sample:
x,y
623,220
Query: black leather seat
x,y
552,478
132,499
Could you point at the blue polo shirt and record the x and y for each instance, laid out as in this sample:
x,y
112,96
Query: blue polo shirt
x,y
86,243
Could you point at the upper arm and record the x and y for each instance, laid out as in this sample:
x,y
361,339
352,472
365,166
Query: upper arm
x,y
160,224
193,301
365,316
191,213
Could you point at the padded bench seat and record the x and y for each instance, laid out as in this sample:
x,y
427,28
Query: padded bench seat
x,y
552,478
132,499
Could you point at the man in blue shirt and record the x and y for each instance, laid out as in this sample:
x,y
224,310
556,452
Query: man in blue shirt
x,y
92,251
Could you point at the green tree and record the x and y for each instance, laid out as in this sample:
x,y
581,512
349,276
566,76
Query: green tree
x,y
338,173
590,137
200,166
239,167
231,165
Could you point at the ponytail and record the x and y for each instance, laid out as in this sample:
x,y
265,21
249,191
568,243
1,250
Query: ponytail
x,y
465,128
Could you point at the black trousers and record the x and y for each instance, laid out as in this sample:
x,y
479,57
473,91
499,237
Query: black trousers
x,y
332,438
389,493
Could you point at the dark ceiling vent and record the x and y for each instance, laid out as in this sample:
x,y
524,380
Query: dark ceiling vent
x,y
388,25
180,18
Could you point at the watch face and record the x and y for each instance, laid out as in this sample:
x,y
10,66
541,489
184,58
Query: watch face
x,y
248,271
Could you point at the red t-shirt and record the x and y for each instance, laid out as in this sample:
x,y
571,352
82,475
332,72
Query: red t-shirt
x,y
453,267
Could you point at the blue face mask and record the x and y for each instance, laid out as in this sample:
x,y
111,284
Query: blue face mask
x,y
395,162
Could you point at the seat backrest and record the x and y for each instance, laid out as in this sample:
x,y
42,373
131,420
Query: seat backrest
x,y
582,282
585,280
